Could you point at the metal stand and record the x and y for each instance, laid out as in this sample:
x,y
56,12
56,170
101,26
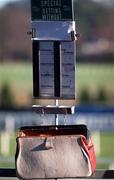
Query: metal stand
x,y
56,115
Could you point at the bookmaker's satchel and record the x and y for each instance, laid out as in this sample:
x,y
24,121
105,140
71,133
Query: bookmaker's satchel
x,y
54,152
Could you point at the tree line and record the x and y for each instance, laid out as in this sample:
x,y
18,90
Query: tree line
x,y
15,19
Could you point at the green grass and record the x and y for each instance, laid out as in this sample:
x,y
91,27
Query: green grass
x,y
12,144
107,144
107,150
95,75
19,75
8,161
7,164
92,77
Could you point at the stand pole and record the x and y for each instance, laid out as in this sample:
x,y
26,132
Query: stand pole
x,y
56,115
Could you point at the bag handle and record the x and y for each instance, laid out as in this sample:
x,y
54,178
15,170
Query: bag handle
x,y
48,143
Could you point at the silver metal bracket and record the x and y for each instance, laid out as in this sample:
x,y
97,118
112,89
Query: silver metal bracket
x,y
53,109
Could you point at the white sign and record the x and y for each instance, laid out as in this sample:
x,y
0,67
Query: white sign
x,y
68,59
46,69
47,63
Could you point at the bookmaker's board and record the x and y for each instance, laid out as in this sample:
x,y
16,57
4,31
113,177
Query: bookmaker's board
x,y
55,10
54,49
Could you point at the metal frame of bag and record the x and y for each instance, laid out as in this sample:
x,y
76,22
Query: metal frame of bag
x,y
54,152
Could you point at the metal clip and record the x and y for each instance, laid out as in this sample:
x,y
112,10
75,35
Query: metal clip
x,y
74,35
48,143
65,117
32,33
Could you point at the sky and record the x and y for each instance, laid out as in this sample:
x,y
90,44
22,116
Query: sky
x,y
3,2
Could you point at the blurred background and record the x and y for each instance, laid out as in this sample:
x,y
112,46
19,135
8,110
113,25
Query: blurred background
x,y
94,74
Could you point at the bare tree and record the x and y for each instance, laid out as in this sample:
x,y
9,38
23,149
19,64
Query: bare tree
x,y
4,32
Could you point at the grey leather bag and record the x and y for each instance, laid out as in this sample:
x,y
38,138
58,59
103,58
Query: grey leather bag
x,y
53,152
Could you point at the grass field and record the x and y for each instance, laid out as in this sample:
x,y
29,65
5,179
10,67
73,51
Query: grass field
x,y
87,75
90,76
95,75
107,144
19,77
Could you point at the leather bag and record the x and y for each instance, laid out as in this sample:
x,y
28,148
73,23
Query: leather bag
x,y
54,152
